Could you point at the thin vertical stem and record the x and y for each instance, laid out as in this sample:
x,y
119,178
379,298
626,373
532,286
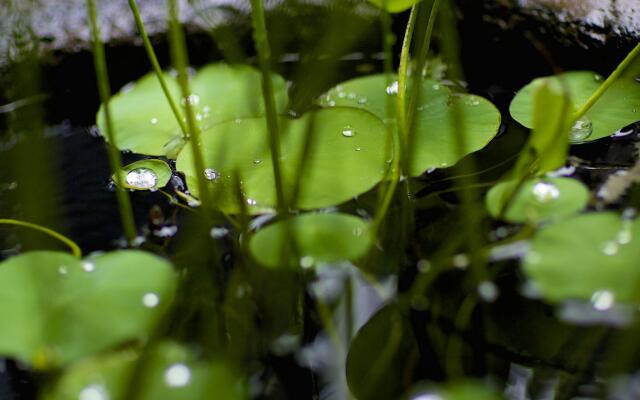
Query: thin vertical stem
x,y
403,71
115,162
156,67
264,55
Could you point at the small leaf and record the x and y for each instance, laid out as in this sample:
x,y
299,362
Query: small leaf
x,y
435,143
318,238
56,308
149,174
538,199
144,122
617,108
395,6
586,255
171,372
346,158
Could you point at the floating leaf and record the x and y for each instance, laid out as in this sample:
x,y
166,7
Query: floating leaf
x,y
144,122
381,356
149,174
585,255
170,372
57,308
346,158
318,238
617,108
395,6
538,199
435,143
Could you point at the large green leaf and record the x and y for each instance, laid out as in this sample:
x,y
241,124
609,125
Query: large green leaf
x,y
381,356
318,238
435,141
346,157
586,256
538,199
395,6
617,108
144,123
57,308
170,372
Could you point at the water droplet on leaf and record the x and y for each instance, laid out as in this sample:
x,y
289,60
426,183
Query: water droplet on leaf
x,y
348,131
581,130
142,178
211,174
177,375
602,300
150,300
545,192
392,89
94,392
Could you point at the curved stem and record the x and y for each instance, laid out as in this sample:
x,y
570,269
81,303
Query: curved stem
x,y
75,249
156,67
401,106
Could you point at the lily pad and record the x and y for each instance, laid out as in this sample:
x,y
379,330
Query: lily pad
x,y
585,256
395,6
538,199
148,174
435,143
318,238
617,108
346,158
144,122
57,308
170,372
380,357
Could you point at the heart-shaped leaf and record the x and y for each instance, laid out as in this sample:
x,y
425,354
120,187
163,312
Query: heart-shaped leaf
x,y
587,255
171,372
435,141
346,157
538,199
57,308
617,108
149,174
318,238
144,122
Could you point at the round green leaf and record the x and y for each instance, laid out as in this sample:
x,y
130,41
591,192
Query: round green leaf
x,y
538,199
144,122
148,174
318,238
434,141
617,108
395,6
346,157
380,354
171,372
57,308
586,255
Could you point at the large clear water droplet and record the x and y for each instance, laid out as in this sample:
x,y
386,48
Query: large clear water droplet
x,y
348,131
211,174
581,130
545,192
142,178
177,375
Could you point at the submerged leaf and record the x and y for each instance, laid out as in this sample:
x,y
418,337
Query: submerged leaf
x,y
538,199
316,238
144,122
346,157
149,174
57,308
434,140
586,256
617,108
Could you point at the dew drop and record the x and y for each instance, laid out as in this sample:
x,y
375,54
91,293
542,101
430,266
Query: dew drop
x,y
436,86
142,178
251,202
581,130
94,392
257,162
362,101
610,248
150,300
352,96
63,270
88,266
348,131
177,375
392,89
597,77
154,121
602,300
358,148
211,174
545,192
472,101
331,103
192,100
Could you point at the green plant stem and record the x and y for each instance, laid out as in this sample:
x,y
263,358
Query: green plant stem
x,y
156,67
403,71
75,249
264,55
99,59
180,59
607,83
